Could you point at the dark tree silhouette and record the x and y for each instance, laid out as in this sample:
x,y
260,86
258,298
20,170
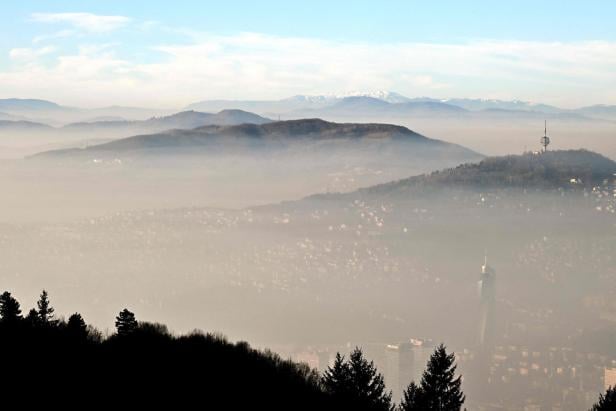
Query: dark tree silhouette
x,y
412,399
33,318
179,370
153,328
357,384
607,401
9,308
369,382
45,310
77,326
126,323
337,378
440,389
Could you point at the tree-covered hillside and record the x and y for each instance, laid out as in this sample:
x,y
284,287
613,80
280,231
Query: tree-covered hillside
x,y
66,363
550,170
143,364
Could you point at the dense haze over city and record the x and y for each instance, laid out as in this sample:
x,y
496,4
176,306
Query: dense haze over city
x,y
315,178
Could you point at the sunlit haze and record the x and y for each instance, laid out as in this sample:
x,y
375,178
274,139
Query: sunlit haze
x,y
394,205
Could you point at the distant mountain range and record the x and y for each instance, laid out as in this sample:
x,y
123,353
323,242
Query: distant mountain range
x,y
51,113
270,135
573,169
599,111
493,104
124,128
182,120
370,106
299,102
378,104
22,125
20,105
390,104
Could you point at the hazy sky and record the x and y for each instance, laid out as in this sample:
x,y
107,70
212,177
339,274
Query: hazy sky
x,y
172,53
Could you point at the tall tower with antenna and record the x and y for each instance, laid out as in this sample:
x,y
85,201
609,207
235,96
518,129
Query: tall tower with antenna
x,y
487,301
487,324
545,140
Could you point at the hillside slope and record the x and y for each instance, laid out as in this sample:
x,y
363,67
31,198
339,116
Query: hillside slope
x,y
273,134
565,169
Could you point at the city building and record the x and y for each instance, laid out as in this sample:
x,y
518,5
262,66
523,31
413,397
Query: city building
x,y
406,362
609,378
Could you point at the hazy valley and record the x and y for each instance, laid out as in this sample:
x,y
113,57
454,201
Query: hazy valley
x,y
310,236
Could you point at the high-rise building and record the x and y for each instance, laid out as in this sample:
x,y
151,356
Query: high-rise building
x,y
487,295
609,378
406,362
392,370
324,360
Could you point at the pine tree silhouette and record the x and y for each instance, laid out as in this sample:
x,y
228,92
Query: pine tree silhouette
x,y
440,389
607,401
9,308
357,384
412,399
33,318
337,378
45,310
77,326
125,322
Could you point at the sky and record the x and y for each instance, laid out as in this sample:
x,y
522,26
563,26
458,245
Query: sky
x,y
168,54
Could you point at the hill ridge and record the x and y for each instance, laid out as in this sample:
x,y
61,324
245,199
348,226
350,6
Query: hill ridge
x,y
279,131
551,170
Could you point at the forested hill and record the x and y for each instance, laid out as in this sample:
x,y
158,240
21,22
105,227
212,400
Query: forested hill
x,y
143,366
570,169
271,134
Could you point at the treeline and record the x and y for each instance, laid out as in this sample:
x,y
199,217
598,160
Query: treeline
x,y
141,365
68,363
551,170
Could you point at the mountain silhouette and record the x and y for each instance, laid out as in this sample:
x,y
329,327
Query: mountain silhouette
x,y
274,134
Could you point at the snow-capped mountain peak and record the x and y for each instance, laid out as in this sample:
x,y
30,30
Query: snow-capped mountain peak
x,y
388,96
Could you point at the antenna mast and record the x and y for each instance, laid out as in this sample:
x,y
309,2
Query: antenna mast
x,y
545,140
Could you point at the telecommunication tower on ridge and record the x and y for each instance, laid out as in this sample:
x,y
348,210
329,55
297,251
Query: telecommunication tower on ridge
x,y
545,140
